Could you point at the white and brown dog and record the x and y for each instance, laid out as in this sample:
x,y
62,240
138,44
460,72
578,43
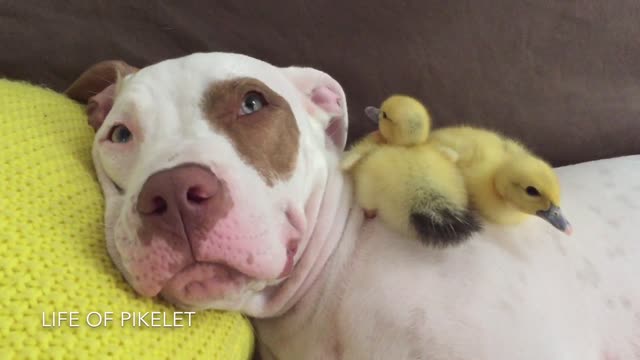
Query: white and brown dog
x,y
220,174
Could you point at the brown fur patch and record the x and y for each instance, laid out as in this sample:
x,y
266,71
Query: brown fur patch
x,y
97,78
267,139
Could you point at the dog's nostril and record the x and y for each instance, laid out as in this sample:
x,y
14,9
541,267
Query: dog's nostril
x,y
159,206
198,195
156,205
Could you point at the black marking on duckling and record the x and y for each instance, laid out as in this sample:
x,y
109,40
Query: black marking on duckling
x,y
440,223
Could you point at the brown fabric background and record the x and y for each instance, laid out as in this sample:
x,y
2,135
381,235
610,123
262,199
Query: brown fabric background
x,y
563,76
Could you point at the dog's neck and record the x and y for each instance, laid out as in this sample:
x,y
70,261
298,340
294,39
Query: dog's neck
x,y
336,221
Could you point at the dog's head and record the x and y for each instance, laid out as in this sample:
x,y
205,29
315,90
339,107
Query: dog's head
x,y
213,167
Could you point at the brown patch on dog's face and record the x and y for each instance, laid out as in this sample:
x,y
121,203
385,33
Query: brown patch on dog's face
x,y
268,139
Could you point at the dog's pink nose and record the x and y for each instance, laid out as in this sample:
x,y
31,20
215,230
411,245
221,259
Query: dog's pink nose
x,y
180,202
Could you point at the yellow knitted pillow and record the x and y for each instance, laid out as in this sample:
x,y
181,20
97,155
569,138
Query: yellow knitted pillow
x,y
53,256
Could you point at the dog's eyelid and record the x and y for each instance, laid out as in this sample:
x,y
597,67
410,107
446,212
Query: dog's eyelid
x,y
118,188
243,87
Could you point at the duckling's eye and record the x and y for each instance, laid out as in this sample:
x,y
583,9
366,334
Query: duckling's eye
x,y
384,115
253,102
120,134
531,191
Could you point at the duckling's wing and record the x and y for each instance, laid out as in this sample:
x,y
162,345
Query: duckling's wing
x,y
454,144
350,159
359,151
449,153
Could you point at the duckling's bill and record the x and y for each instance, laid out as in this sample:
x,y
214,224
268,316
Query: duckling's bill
x,y
373,113
554,216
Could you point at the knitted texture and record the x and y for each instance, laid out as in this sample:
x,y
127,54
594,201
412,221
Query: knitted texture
x,y
53,255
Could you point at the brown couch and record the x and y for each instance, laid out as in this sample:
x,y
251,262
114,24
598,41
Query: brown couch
x,y
562,76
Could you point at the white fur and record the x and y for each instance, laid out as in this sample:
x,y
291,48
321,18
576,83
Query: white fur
x,y
527,292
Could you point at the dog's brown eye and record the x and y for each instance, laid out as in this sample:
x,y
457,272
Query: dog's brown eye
x,y
253,101
120,134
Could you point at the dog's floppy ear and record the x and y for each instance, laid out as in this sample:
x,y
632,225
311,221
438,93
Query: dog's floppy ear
x,y
96,87
326,101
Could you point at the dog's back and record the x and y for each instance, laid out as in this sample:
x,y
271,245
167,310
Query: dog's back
x,y
527,292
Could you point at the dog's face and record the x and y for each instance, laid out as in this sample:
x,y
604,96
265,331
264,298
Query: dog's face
x,y
213,168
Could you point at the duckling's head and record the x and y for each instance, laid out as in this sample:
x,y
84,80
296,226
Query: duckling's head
x,y
531,185
402,120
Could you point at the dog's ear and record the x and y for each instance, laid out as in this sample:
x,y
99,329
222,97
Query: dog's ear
x,y
96,87
326,101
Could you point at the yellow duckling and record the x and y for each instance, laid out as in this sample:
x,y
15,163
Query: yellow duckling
x,y
506,181
402,120
414,188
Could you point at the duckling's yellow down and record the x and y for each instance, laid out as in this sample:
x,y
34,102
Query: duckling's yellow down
x,y
402,120
416,191
413,187
506,182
